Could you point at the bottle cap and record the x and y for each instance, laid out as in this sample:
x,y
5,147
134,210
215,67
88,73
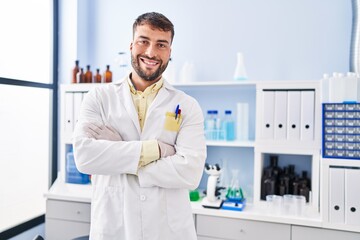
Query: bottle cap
x,y
227,111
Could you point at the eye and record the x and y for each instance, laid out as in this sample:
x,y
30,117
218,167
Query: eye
x,y
142,42
162,45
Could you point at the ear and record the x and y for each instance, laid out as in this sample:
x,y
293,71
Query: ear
x,y
131,46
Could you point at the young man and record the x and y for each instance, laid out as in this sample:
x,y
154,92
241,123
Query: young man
x,y
143,143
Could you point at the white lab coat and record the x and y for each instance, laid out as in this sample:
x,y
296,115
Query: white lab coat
x,y
152,204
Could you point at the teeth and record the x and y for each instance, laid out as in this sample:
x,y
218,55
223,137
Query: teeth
x,y
150,63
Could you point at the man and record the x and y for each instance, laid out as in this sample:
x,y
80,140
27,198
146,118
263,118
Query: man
x,y
143,143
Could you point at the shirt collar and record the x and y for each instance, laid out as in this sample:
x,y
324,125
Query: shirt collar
x,y
153,87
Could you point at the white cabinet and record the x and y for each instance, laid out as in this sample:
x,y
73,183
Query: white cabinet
x,y
66,219
300,233
210,227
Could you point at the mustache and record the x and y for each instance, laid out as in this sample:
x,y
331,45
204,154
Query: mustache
x,y
150,58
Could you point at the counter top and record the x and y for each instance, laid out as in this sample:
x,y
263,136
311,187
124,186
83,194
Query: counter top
x,y
82,193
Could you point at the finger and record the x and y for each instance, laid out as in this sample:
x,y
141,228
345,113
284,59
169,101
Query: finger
x,y
92,132
95,127
111,128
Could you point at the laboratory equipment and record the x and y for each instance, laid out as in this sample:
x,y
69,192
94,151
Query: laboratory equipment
x,y
75,70
212,199
88,75
97,76
72,173
240,72
228,127
107,75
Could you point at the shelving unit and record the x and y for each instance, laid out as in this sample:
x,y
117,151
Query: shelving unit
x,y
247,156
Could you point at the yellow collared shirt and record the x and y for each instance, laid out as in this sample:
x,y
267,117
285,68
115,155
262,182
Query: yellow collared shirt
x,y
142,100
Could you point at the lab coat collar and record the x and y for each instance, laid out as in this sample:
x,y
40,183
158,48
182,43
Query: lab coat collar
x,y
129,105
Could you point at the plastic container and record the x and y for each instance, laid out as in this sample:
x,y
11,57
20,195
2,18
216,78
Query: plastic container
x,y
228,127
72,173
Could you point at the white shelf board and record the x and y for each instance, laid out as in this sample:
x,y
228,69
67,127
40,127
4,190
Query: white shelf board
x,y
230,143
217,83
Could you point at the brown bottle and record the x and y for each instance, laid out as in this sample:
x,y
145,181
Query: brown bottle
x,y
80,76
97,77
107,75
75,72
88,75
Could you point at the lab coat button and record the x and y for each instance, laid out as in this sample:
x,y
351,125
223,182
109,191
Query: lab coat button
x,y
142,197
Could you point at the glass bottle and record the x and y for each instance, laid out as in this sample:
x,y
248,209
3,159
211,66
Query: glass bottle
x,y
269,184
88,75
80,76
97,77
75,71
228,127
107,75
304,191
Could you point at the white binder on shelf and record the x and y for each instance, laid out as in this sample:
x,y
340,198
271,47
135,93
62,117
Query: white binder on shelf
x,y
307,115
293,118
336,195
69,113
77,104
280,117
267,128
352,196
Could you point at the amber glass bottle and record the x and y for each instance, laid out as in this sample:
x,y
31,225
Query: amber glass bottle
x,y
97,77
107,75
88,75
75,72
80,76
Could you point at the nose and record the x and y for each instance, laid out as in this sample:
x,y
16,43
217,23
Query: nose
x,y
150,51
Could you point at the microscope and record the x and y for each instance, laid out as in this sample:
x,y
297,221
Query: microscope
x,y
212,199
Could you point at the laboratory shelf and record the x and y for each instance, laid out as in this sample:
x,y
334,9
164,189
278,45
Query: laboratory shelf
x,y
249,144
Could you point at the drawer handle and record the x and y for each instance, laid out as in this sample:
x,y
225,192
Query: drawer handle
x,y
242,230
78,212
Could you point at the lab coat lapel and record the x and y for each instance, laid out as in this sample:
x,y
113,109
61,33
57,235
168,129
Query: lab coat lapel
x,y
160,97
129,105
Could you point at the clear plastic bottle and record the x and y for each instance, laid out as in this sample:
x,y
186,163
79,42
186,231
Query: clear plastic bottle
x,y
217,127
228,127
209,125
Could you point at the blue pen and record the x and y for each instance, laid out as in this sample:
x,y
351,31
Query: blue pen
x,y
177,111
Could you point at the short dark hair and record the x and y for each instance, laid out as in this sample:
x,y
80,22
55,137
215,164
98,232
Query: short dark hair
x,y
156,20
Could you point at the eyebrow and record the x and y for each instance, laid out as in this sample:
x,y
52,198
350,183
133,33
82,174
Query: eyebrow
x,y
160,40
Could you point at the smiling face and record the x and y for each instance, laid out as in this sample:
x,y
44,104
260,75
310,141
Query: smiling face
x,y
150,54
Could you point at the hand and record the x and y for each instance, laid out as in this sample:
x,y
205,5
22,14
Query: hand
x,y
166,149
102,132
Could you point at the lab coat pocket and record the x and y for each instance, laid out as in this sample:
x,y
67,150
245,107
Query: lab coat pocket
x,y
172,123
178,209
107,209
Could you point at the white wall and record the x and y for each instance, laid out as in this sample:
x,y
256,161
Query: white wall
x,y
280,39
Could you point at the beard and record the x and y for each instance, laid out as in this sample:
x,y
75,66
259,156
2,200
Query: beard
x,y
135,62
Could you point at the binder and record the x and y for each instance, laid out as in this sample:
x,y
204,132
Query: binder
x,y
69,113
336,195
77,104
280,117
293,118
307,115
352,196
268,118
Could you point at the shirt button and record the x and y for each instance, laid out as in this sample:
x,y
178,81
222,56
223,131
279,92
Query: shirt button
x,y
142,197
